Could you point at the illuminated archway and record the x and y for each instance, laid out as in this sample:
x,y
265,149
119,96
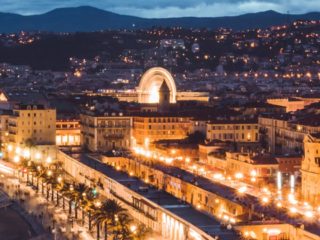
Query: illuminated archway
x,y
151,81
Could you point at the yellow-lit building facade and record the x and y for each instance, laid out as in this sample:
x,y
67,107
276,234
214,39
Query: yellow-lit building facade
x,y
4,128
233,131
67,133
32,133
310,170
35,123
148,129
251,166
105,133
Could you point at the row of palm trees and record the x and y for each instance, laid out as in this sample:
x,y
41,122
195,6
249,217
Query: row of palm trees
x,y
108,216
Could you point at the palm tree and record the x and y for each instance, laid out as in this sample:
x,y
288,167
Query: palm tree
x,y
30,144
80,196
141,232
68,191
65,191
121,228
106,215
87,205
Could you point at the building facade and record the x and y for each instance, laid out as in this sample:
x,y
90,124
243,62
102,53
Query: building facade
x,y
310,170
105,133
233,131
259,166
35,123
155,127
283,135
68,133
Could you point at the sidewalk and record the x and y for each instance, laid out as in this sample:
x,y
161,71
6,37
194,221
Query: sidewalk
x,y
38,211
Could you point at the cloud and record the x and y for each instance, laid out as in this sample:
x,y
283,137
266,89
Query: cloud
x,y
166,8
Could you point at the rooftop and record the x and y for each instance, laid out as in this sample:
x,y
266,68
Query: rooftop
x,y
174,205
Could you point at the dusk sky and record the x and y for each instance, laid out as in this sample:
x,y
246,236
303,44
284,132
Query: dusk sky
x,y
166,8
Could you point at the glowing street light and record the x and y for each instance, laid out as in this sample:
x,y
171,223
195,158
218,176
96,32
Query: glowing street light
x,y
293,210
59,179
308,214
48,160
98,204
18,150
238,175
38,155
16,159
253,173
265,200
133,228
10,148
26,153
242,189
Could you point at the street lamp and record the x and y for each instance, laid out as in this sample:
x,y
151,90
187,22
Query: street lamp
x,y
26,153
16,159
59,179
10,148
38,155
48,160
97,204
133,229
18,150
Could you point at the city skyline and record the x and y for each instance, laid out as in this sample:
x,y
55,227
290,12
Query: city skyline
x,y
122,127
164,8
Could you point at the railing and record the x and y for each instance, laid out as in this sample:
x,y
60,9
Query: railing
x,y
135,207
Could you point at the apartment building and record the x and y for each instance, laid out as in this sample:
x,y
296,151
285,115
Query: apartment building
x,y
155,126
233,130
105,132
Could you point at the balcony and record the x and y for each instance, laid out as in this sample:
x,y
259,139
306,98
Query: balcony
x,y
12,124
12,132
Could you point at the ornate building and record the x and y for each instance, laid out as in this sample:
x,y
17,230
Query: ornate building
x,y
105,132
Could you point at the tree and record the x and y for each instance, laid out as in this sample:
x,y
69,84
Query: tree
x,y
80,196
107,214
30,144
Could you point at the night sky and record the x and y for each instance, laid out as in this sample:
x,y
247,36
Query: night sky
x,y
166,8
